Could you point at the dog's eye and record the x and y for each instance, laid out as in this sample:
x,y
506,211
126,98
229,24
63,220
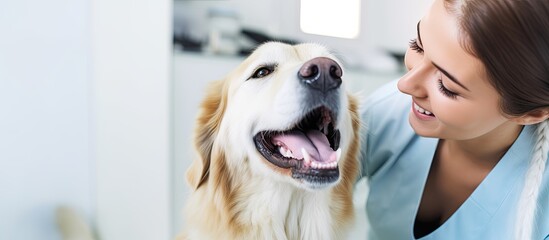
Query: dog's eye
x,y
262,72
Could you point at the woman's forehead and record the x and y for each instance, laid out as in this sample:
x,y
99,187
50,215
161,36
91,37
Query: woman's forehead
x,y
443,44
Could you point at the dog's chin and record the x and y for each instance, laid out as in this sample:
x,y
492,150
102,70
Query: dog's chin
x,y
308,152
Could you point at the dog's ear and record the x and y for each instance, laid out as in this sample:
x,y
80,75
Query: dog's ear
x,y
207,126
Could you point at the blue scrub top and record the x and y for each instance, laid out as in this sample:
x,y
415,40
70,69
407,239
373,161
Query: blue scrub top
x,y
397,161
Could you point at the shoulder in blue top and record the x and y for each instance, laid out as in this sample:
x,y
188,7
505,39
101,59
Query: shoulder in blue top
x,y
397,161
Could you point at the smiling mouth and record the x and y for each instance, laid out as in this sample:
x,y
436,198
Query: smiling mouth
x,y
422,111
310,148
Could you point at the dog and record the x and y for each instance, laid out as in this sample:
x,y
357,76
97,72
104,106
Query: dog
x,y
277,143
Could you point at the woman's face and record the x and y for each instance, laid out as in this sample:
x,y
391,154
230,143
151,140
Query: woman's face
x,y
452,98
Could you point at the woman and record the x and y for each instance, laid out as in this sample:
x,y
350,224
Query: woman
x,y
461,151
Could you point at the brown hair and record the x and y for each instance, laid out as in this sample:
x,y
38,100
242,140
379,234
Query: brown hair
x,y
511,39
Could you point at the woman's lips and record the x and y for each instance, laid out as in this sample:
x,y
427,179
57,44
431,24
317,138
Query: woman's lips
x,y
421,113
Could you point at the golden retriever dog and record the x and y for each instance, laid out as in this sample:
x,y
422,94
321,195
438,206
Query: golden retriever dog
x,y
277,141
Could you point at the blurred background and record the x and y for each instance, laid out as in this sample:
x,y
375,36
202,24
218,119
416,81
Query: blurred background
x,y
98,97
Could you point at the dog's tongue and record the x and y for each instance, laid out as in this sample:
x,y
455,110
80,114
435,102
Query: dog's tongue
x,y
314,142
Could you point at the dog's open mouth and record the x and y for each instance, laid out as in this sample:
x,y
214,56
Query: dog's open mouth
x,y
310,149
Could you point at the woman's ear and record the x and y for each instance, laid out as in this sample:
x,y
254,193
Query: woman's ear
x,y
533,117
207,126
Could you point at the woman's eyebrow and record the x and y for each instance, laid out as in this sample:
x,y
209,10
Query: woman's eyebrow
x,y
450,76
419,36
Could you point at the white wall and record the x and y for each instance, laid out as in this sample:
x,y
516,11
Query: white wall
x,y
45,145
131,106
85,116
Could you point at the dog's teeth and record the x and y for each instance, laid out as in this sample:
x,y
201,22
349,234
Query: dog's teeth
x,y
338,154
281,150
285,152
306,156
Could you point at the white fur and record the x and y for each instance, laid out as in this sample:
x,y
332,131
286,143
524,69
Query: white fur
x,y
270,203
272,103
283,212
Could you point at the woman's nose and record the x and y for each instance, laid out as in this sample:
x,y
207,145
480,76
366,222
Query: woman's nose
x,y
414,81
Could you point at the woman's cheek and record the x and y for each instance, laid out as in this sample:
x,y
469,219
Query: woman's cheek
x,y
452,112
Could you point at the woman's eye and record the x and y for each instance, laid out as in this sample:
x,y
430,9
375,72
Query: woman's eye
x,y
414,46
445,91
262,72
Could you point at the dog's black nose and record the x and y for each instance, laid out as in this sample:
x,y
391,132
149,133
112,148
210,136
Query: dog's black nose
x,y
321,73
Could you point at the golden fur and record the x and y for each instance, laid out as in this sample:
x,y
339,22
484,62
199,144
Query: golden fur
x,y
231,198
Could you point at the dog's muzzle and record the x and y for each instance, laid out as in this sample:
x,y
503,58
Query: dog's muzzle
x,y
311,147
